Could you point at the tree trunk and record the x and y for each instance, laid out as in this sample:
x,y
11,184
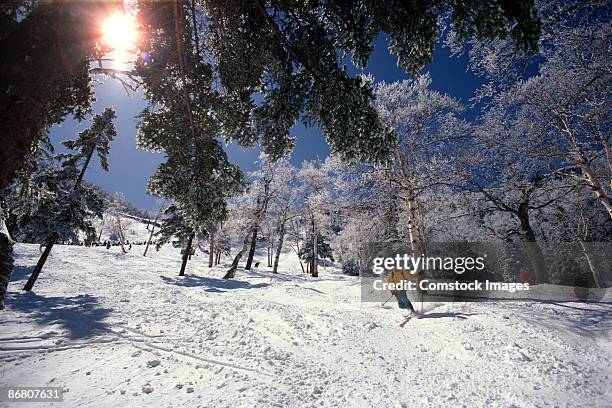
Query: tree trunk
x,y
211,251
416,242
315,253
186,255
597,278
53,237
231,272
297,252
279,248
79,179
218,260
536,256
252,250
41,262
597,187
579,158
153,227
6,261
121,237
101,229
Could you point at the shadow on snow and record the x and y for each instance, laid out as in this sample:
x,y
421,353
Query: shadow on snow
x,y
446,314
211,284
20,272
81,316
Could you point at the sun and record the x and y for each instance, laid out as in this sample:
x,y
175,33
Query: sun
x,y
119,32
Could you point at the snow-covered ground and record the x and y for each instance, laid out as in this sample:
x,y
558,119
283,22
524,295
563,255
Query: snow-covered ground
x,y
133,230
123,330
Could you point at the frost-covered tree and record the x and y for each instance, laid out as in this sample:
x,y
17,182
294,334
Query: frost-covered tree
x,y
254,206
56,201
502,65
363,208
161,204
282,206
118,223
221,243
314,192
323,251
181,120
295,54
427,129
176,229
567,107
291,53
512,182
561,93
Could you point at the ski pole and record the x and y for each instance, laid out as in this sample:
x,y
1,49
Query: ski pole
x,y
386,301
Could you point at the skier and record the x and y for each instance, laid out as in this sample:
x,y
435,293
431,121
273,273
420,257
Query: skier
x,y
396,276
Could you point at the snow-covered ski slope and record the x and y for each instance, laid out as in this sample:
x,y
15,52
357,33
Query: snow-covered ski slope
x,y
134,229
119,330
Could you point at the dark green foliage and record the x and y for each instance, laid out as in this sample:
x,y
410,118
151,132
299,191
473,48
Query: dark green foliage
x,y
564,269
324,250
45,53
49,196
183,118
174,227
510,262
46,204
95,139
293,53
495,19
350,268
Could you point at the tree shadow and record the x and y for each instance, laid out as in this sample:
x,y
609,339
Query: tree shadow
x,y
582,309
458,315
81,316
586,318
211,284
20,272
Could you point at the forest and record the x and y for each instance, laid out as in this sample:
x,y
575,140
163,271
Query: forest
x,y
246,284
534,166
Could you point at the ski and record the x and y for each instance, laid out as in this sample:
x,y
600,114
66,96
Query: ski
x,y
406,320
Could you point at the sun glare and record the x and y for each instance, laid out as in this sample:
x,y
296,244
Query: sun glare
x,y
119,32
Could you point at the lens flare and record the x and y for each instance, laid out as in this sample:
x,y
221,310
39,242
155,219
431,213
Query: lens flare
x,y
119,32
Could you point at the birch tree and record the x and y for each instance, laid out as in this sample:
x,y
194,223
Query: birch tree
x,y
427,129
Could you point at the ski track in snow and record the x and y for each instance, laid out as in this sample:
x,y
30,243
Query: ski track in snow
x,y
109,327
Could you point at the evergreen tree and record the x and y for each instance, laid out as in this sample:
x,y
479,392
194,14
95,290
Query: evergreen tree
x,y
175,228
324,250
181,119
510,262
57,202
46,48
294,54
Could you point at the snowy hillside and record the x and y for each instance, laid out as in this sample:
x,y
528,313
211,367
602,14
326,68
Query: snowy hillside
x,y
123,330
134,229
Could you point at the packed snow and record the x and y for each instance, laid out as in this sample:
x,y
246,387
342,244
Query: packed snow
x,y
118,329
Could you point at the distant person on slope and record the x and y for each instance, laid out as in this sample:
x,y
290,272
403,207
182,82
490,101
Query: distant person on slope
x,y
396,277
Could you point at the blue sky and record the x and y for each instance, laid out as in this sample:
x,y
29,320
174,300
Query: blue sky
x,y
130,168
